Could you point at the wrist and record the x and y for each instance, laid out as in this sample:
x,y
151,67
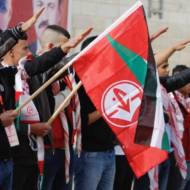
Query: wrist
x,y
29,129
1,123
18,32
65,49
19,27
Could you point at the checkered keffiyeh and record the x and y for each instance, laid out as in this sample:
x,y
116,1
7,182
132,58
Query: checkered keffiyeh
x,y
175,135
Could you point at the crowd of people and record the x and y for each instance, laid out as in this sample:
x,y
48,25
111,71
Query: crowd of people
x,y
78,150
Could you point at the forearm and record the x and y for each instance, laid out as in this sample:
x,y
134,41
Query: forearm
x,y
177,81
44,62
93,117
9,38
163,56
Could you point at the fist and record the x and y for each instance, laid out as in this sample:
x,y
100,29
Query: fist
x,y
8,117
40,129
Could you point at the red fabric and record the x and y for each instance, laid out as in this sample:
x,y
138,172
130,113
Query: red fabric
x,y
101,67
184,106
70,108
186,135
57,134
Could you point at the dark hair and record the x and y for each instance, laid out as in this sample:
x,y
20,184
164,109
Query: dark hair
x,y
87,41
59,30
179,68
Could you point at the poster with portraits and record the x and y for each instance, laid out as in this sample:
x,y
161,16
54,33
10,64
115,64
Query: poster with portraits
x,y
15,11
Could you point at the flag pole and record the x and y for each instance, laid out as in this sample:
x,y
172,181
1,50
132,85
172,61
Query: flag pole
x,y
64,103
45,85
73,43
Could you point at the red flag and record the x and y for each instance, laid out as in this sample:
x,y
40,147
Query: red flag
x,y
113,70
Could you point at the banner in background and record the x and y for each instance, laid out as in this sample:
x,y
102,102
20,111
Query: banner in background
x,y
15,11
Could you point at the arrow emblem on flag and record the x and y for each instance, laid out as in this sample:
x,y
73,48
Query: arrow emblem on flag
x,y
121,103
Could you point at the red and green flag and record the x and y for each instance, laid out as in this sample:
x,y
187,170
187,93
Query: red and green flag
x,y
119,75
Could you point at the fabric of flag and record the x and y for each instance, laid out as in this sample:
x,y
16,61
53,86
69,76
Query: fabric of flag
x,y
113,70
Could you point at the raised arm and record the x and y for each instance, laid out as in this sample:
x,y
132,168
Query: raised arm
x,y
164,55
158,33
172,83
10,37
50,58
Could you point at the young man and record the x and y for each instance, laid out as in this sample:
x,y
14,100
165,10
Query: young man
x,y
169,169
182,98
57,162
95,169
24,156
8,39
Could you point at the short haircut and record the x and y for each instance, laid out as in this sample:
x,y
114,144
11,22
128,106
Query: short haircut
x,y
59,30
88,41
179,68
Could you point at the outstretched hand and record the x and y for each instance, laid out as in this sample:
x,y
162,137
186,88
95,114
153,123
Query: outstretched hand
x,y
158,33
72,43
181,45
30,22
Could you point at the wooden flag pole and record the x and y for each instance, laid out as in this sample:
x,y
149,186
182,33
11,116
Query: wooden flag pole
x,y
68,45
62,106
45,85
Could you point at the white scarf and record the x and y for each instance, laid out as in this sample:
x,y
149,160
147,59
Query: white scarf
x,y
29,113
76,123
175,134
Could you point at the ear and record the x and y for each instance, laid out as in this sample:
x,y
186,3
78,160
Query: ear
x,y
11,52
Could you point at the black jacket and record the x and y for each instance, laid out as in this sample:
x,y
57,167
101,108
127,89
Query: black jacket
x,y
23,154
33,67
97,136
8,39
172,83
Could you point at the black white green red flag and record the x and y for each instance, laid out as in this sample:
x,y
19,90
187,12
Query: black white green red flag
x,y
118,73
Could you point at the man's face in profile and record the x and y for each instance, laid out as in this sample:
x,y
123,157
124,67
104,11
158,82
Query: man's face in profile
x,y
48,17
5,13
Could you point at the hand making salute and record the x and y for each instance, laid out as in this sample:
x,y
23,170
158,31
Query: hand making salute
x,y
8,39
25,72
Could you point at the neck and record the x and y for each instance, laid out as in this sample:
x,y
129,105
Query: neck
x,y
183,93
8,62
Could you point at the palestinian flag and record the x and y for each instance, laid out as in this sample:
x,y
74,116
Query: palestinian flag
x,y
115,71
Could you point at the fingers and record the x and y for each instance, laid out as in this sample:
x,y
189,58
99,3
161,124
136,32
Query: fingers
x,y
86,32
74,42
181,45
15,113
30,22
46,129
158,33
38,13
40,129
185,42
83,35
165,29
